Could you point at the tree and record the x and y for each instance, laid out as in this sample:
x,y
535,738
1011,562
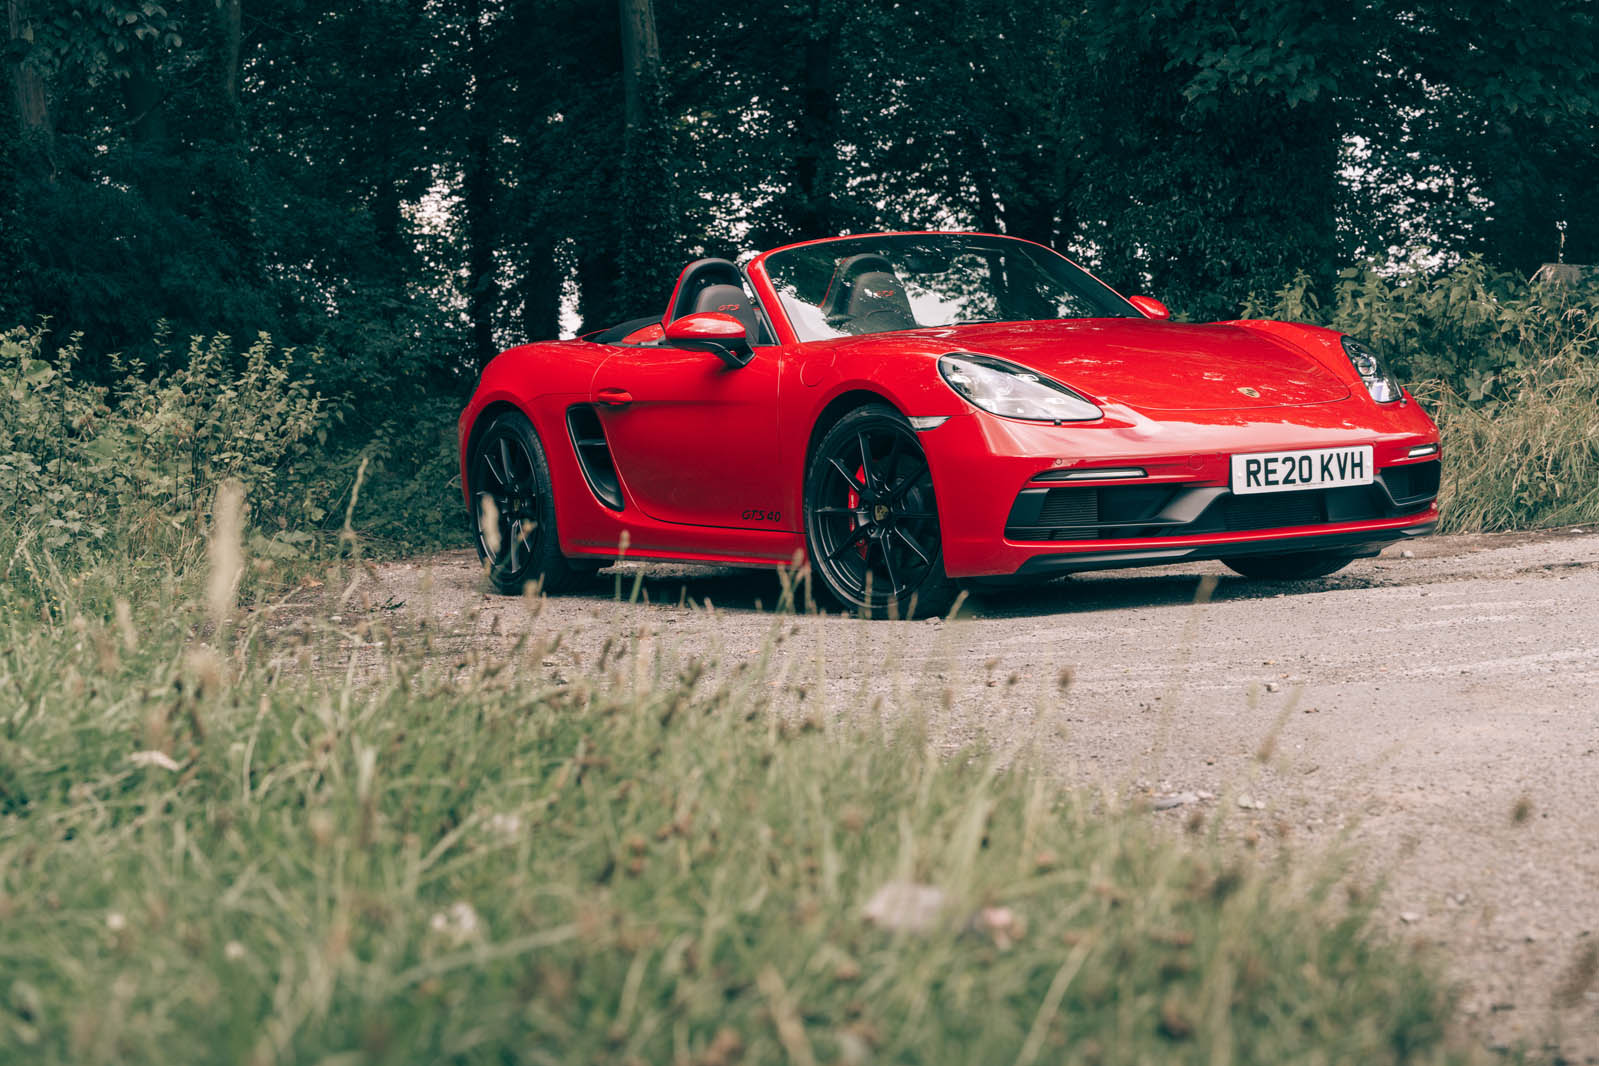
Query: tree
x,y
649,228
478,189
27,84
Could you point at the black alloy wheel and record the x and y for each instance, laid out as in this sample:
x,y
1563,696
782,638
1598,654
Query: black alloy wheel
x,y
513,509
1289,566
871,521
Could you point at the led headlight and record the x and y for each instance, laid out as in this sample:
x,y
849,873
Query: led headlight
x,y
1003,388
1380,381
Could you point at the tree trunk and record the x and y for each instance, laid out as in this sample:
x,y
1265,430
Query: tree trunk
x,y
477,196
230,19
143,97
646,210
597,290
984,211
818,105
641,59
541,293
27,86
1031,216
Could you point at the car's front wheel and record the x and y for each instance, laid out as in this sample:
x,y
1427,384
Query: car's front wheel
x,y
871,521
513,509
1289,566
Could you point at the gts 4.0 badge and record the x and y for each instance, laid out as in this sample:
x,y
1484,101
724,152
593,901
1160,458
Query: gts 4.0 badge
x,y
758,515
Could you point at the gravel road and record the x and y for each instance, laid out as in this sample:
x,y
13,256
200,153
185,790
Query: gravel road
x,y
1442,709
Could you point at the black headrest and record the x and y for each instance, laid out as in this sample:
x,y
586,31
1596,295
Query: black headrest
x,y
877,301
730,300
705,274
693,280
840,289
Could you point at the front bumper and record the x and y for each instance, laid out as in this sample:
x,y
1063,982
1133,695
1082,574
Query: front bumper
x,y
988,471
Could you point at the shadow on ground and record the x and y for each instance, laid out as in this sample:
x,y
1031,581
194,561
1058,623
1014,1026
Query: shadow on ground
x,y
761,590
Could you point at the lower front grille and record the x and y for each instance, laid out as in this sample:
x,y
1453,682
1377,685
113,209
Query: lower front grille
x,y
1073,514
1151,512
1413,481
1274,510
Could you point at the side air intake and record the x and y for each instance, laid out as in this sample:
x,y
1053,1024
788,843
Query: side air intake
x,y
594,455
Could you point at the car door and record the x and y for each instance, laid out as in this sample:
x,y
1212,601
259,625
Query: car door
x,y
695,442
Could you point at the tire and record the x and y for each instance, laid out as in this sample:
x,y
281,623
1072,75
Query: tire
x,y
1289,566
513,510
871,520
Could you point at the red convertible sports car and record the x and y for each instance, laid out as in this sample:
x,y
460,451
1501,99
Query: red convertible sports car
x,y
908,411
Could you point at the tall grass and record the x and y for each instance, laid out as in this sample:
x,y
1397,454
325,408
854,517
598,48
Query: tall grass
x,y
217,846
1530,458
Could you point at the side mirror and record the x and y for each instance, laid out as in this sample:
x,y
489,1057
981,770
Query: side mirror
x,y
712,331
1151,307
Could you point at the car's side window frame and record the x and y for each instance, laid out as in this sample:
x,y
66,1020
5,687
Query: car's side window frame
x,y
768,335
768,314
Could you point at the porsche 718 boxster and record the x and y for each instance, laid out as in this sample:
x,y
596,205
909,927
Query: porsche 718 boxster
x,y
907,412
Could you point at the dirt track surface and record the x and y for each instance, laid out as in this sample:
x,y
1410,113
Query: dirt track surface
x,y
1442,709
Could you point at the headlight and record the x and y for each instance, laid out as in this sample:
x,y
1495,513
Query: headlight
x,y
1373,371
1003,388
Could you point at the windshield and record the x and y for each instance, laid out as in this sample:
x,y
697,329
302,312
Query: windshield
x,y
878,284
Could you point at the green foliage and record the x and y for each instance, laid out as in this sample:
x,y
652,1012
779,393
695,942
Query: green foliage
x,y
409,186
88,470
1471,327
210,855
1529,455
411,499
99,39
1509,370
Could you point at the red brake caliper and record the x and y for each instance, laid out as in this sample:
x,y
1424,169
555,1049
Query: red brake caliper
x,y
854,503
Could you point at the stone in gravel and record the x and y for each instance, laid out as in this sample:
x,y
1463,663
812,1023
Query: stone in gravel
x,y
1249,803
1177,799
1407,555
1272,686
1409,917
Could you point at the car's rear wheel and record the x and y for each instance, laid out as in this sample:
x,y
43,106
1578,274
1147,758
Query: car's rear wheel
x,y
871,520
513,509
1289,566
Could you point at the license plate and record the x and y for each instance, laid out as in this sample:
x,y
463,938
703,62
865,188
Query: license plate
x,y
1316,468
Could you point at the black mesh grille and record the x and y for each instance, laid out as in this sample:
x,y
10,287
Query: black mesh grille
x,y
1274,509
1412,482
1070,507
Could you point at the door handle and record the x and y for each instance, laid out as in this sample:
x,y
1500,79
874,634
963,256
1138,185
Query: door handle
x,y
614,397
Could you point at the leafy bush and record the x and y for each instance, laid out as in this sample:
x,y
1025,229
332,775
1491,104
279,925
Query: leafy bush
x,y
1510,371
129,469
411,498
1471,328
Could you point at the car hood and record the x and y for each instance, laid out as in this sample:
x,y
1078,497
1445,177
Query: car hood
x,y
1152,365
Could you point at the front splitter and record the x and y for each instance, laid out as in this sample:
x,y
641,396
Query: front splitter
x,y
1358,544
